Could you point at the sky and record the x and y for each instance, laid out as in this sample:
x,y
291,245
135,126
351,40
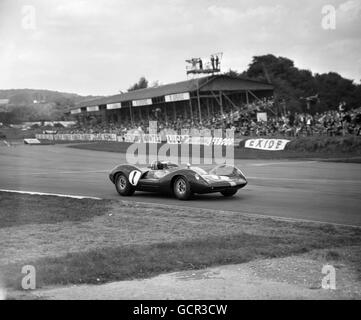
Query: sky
x,y
93,47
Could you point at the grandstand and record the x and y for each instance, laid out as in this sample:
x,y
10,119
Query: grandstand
x,y
195,99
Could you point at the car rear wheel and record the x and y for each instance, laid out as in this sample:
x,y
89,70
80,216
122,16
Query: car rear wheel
x,y
229,193
182,189
123,185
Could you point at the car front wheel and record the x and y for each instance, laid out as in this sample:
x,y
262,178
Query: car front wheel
x,y
182,189
123,185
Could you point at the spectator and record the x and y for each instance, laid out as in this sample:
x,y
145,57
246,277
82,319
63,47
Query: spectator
x,y
243,120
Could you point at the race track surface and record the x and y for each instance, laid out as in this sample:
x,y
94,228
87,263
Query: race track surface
x,y
310,190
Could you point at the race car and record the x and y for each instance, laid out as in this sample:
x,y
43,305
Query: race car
x,y
167,177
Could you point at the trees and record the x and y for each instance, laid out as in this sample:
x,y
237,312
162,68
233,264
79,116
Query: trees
x,y
335,89
293,84
141,84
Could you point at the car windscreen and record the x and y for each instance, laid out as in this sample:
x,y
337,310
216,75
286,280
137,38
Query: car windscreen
x,y
224,170
199,170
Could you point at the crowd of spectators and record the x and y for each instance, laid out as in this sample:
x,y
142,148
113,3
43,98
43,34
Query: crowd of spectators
x,y
244,122
330,123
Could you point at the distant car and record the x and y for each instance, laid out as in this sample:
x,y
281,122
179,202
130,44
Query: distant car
x,y
2,135
167,177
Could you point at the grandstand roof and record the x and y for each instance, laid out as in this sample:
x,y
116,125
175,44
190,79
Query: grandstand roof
x,y
209,83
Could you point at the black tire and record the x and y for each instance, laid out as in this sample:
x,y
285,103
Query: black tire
x,y
229,193
123,185
182,189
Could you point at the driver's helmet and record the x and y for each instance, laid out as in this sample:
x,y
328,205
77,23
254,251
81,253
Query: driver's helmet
x,y
158,165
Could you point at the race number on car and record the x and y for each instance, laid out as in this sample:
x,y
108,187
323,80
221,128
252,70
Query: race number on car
x,y
134,177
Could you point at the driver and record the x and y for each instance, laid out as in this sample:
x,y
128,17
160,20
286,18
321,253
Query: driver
x,y
158,165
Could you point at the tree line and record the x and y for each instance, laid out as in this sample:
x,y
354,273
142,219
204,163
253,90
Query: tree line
x,y
294,85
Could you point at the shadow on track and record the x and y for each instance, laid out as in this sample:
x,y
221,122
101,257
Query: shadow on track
x,y
150,196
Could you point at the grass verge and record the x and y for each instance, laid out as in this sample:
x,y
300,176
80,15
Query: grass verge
x,y
22,209
124,240
142,261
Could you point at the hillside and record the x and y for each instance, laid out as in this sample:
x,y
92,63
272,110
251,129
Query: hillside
x,y
25,96
33,104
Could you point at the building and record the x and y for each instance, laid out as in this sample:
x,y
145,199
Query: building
x,y
193,99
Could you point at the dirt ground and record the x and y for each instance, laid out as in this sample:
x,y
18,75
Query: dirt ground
x,y
295,277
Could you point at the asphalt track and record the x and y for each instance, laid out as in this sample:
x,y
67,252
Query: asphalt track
x,y
309,190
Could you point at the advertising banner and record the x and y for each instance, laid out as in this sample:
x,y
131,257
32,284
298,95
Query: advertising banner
x,y
142,138
261,117
92,109
78,137
267,144
177,97
139,103
139,138
112,106
44,136
31,141
75,111
206,141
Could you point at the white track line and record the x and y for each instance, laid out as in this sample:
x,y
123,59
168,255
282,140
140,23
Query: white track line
x,y
50,194
38,173
68,172
246,214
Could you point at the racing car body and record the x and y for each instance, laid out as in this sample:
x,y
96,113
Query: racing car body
x,y
166,177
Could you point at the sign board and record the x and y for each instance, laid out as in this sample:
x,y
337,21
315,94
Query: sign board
x,y
92,109
75,111
261,117
206,141
63,123
32,141
138,138
177,97
78,137
144,102
267,144
113,106
141,138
